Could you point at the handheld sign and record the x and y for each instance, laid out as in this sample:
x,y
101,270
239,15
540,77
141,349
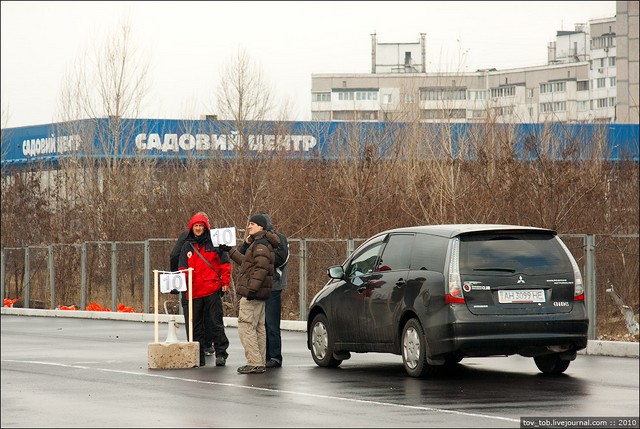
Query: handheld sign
x,y
174,280
224,236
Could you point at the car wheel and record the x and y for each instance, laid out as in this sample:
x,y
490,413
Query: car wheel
x,y
551,364
414,350
322,343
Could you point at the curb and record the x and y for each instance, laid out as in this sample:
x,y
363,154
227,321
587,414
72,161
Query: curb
x,y
594,347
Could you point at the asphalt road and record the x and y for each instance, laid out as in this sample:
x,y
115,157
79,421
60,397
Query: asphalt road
x,y
72,372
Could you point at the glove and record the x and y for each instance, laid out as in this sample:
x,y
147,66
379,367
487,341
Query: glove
x,y
224,247
251,295
174,292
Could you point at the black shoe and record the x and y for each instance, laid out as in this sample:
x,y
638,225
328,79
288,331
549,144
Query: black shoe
x,y
272,363
209,351
221,361
202,362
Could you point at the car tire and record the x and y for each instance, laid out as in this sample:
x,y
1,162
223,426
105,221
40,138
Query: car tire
x,y
414,350
321,343
551,364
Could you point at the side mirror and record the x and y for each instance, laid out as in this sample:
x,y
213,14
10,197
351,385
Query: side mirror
x,y
336,272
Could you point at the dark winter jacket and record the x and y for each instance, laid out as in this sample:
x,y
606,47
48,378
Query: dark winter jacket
x,y
256,265
280,263
174,258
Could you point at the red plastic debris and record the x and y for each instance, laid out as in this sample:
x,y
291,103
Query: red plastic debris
x,y
94,306
67,307
125,309
8,302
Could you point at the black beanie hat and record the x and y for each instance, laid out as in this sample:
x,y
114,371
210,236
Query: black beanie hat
x,y
259,219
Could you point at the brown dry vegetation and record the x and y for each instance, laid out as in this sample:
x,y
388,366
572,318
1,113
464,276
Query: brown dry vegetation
x,y
415,180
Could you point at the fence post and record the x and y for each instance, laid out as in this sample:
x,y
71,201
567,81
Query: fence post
x,y
27,277
351,246
2,265
303,280
590,283
147,273
52,277
83,278
114,276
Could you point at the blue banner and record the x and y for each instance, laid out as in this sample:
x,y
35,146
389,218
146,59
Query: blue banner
x,y
204,139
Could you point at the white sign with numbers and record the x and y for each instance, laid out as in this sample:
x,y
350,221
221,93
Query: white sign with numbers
x,y
173,281
224,236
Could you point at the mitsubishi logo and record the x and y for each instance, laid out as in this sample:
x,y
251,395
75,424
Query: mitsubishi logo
x,y
520,280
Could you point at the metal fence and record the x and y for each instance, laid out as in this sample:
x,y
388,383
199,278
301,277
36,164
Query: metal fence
x,y
114,273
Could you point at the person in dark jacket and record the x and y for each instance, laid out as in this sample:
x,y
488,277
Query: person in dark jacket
x,y
208,322
253,284
211,278
273,304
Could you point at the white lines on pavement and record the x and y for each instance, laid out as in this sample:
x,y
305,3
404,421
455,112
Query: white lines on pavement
x,y
264,389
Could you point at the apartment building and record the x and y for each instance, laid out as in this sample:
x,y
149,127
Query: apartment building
x,y
591,76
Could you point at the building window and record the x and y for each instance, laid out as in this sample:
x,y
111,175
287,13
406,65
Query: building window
x,y
548,87
503,110
444,114
355,115
321,96
601,103
505,91
583,85
409,98
612,81
612,61
612,101
529,92
438,94
322,115
601,82
477,95
583,105
556,106
386,99
357,95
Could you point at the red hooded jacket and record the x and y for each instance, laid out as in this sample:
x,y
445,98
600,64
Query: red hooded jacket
x,y
206,279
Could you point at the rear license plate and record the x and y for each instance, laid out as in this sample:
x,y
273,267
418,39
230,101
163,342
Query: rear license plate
x,y
511,296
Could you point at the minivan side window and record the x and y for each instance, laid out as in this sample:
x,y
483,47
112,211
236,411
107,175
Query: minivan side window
x,y
429,252
365,261
397,253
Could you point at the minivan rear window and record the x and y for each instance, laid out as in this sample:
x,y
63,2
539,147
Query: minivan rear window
x,y
529,253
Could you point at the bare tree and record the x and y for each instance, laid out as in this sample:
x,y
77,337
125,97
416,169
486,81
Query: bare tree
x,y
105,86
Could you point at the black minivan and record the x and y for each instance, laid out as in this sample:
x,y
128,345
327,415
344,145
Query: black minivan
x,y
439,293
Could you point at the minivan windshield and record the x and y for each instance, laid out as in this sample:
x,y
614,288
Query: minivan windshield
x,y
512,253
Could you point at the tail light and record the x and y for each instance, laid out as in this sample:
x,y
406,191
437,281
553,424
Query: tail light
x,y
578,291
454,293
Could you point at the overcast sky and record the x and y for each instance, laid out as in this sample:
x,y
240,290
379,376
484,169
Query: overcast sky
x,y
188,43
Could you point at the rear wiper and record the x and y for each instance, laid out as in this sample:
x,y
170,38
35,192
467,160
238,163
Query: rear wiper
x,y
506,270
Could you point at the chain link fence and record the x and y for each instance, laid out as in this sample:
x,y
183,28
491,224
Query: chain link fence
x,y
115,273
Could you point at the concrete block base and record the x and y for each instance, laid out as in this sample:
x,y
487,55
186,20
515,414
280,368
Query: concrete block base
x,y
173,355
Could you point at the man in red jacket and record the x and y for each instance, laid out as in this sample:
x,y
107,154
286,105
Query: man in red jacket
x,y
211,278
